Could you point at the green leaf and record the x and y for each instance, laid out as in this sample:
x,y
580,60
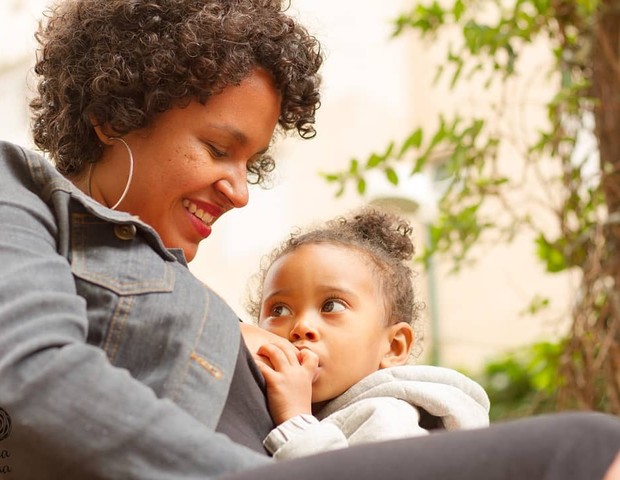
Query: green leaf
x,y
457,73
374,160
440,134
550,254
354,167
361,186
391,175
458,9
330,177
419,164
536,305
413,141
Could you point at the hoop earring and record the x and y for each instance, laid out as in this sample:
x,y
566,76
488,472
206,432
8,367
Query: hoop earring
x,y
129,178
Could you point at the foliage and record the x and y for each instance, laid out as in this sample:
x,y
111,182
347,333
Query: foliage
x,y
577,197
523,382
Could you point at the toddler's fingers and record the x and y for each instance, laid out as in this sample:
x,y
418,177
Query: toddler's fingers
x,y
309,360
269,373
278,356
264,368
262,360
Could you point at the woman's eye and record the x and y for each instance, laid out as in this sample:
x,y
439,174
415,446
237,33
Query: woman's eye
x,y
216,152
334,306
280,311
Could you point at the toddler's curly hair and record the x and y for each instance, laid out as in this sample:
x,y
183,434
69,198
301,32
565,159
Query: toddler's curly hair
x,y
383,237
122,62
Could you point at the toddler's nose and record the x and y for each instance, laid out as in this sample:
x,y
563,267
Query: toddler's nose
x,y
304,330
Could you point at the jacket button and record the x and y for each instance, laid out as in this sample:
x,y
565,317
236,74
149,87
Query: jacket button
x,y
125,232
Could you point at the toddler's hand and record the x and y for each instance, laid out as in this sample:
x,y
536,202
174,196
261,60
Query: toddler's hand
x,y
289,374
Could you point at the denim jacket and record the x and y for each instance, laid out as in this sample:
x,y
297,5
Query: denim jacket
x,y
115,361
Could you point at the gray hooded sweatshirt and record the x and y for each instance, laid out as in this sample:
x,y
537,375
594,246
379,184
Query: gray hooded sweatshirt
x,y
385,405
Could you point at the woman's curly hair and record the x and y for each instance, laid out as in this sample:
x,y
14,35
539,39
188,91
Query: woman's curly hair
x,y
384,238
122,62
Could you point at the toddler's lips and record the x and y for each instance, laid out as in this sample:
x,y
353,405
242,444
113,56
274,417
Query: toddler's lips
x,y
303,347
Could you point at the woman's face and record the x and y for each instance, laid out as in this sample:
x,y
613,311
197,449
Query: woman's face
x,y
191,163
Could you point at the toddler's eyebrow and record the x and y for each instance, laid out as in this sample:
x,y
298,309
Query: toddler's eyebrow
x,y
338,289
279,292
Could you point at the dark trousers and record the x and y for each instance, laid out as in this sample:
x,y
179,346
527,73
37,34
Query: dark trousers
x,y
564,446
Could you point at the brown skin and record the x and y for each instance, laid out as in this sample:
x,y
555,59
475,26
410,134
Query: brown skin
x,y
300,373
199,153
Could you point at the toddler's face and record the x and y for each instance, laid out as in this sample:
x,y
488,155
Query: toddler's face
x,y
326,298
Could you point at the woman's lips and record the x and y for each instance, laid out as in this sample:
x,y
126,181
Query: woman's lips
x,y
200,218
200,213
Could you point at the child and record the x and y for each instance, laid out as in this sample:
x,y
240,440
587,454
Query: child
x,y
342,295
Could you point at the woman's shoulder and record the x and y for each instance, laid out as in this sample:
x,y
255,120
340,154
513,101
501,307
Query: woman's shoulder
x,y
22,169
19,164
12,152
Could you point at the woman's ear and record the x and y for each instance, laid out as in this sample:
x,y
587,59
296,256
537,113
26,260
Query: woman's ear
x,y
401,339
101,130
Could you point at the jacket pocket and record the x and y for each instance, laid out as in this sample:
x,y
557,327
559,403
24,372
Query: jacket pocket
x,y
117,257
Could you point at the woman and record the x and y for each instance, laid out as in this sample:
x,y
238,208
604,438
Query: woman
x,y
154,113
115,362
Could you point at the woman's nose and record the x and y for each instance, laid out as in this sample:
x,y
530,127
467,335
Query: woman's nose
x,y
303,330
234,186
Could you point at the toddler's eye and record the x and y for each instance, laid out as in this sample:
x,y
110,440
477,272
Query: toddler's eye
x,y
280,311
333,306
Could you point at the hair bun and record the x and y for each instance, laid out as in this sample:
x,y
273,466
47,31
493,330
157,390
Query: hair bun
x,y
386,231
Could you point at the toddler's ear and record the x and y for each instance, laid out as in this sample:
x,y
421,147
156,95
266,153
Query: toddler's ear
x,y
401,339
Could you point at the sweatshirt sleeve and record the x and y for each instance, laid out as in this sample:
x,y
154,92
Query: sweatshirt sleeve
x,y
303,435
368,420
73,414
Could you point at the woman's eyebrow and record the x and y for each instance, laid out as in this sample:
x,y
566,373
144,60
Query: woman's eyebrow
x,y
230,130
237,134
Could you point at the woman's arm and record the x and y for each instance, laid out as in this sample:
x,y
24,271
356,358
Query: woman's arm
x,y
74,415
255,337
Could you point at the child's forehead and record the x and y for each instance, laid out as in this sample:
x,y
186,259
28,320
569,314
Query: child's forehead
x,y
322,267
321,249
329,259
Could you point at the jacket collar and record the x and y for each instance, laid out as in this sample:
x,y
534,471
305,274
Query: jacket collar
x,y
51,180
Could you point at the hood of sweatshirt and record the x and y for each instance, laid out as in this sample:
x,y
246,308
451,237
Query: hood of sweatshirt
x,y
456,399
